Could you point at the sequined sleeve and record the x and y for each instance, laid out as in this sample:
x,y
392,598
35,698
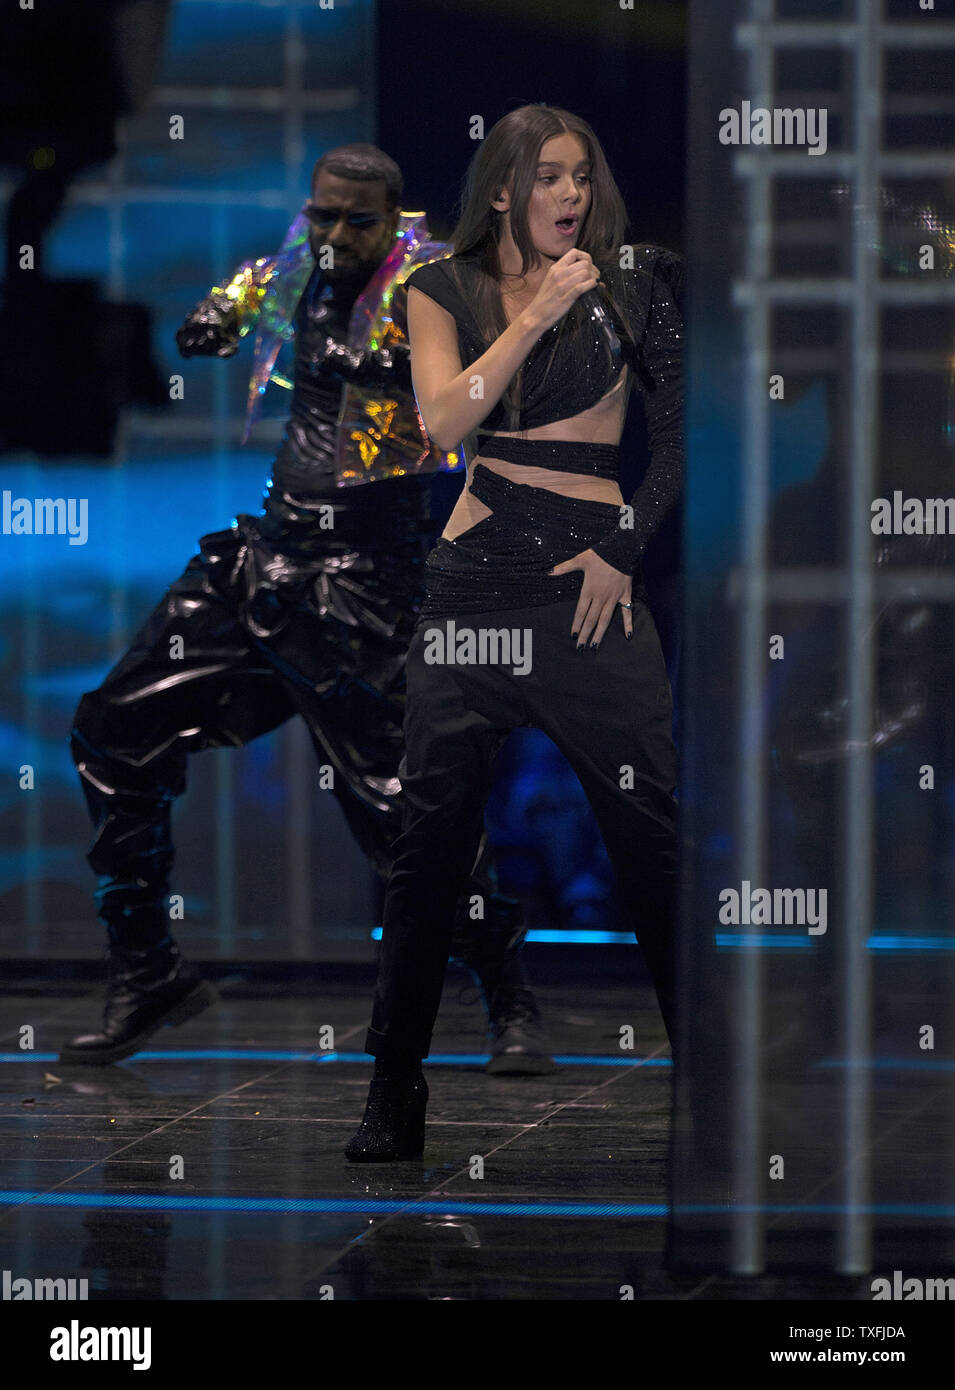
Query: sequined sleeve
x,y
660,378
242,295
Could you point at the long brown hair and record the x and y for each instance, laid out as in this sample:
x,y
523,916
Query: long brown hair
x,y
508,158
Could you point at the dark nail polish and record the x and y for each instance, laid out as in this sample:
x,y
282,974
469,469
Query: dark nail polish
x,y
629,635
573,634
595,644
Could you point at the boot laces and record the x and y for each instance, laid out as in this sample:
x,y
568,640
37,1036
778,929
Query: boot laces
x,y
515,1005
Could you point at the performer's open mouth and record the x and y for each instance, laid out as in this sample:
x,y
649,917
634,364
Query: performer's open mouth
x,y
567,225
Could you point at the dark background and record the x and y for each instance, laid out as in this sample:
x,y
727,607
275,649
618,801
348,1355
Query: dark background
x,y
439,64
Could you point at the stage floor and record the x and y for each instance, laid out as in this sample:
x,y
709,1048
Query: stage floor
x,y
245,1105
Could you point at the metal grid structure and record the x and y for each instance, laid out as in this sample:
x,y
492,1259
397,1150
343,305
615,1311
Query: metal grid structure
x,y
861,37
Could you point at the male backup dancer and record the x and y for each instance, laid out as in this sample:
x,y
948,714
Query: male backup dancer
x,y
305,609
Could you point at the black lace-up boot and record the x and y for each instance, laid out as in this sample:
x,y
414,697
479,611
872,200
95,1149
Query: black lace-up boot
x,y
491,950
149,984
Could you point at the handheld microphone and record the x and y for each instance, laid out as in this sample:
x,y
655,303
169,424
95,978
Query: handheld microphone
x,y
595,311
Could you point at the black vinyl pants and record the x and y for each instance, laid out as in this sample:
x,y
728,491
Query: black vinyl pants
x,y
251,634
608,710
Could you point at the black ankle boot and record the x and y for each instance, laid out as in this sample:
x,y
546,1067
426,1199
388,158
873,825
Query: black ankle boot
x,y
147,989
393,1126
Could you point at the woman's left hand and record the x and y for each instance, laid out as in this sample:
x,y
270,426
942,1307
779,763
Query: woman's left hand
x,y
603,590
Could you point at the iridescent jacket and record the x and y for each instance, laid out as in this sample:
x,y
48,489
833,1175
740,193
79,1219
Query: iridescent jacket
x,y
379,436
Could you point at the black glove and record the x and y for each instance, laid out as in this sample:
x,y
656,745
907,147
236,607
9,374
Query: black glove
x,y
211,330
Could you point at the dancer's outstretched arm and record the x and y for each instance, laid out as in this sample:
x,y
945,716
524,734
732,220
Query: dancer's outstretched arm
x,y
228,312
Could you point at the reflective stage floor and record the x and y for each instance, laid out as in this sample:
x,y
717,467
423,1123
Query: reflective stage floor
x,y
210,1167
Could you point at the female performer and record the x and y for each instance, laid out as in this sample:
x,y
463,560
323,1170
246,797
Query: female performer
x,y
530,336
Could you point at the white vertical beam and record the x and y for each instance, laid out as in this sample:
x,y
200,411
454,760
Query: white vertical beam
x,y
855,1229
747,1250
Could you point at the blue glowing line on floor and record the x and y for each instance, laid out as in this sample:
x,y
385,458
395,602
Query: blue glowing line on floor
x,y
554,936
763,941
933,1211
733,941
362,1206
450,1207
893,1063
444,1059
785,941
911,943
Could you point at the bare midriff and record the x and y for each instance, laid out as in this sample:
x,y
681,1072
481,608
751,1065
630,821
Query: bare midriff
x,y
601,424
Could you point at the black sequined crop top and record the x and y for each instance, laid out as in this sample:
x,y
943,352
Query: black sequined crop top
x,y
554,390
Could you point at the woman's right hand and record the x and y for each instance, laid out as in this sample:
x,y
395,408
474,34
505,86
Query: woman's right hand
x,y
568,278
